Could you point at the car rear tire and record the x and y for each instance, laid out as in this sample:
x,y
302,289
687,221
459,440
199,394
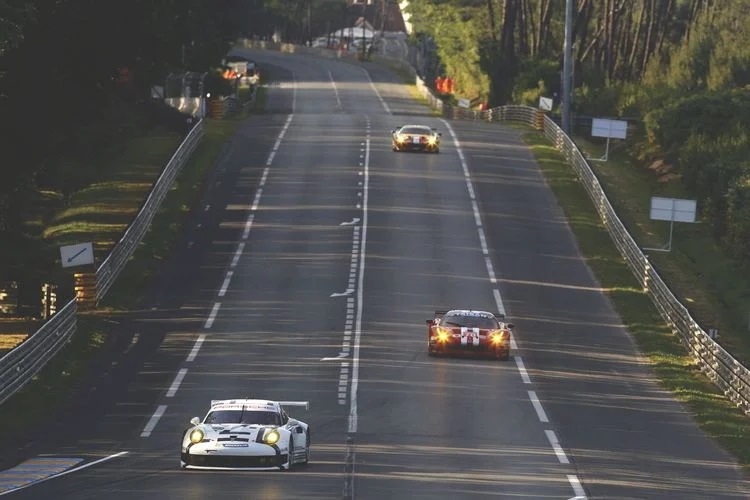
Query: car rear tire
x,y
290,455
307,448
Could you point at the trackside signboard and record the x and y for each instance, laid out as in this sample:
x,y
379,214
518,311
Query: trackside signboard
x,y
672,209
611,129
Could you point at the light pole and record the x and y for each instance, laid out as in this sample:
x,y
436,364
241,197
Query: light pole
x,y
567,91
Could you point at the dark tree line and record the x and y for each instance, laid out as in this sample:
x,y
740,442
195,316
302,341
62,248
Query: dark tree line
x,y
74,84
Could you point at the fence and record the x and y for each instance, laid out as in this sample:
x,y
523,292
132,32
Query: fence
x,y
20,365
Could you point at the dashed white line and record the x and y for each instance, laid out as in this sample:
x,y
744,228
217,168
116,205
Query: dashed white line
x,y
176,383
353,417
578,490
522,370
538,407
238,254
561,456
153,420
212,315
196,347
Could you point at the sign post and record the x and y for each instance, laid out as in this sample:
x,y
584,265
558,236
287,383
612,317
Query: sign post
x,y
672,210
611,129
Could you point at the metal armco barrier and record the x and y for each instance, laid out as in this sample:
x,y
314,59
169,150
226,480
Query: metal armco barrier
x,y
20,365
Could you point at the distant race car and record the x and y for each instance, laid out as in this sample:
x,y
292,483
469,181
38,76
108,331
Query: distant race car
x,y
416,138
468,332
246,434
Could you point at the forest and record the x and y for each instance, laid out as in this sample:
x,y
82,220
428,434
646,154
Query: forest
x,y
75,79
677,70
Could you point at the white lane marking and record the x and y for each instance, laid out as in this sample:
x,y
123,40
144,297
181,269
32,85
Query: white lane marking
x,y
352,222
225,285
238,254
538,407
372,84
561,456
335,89
153,420
196,347
499,301
65,473
176,383
580,493
256,201
522,370
294,92
341,355
248,224
348,291
212,315
353,417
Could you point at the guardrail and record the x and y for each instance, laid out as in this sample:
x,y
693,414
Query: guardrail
x,y
21,364
726,372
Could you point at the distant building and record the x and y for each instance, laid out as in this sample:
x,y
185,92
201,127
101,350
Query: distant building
x,y
381,15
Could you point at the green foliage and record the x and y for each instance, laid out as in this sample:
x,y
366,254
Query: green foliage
x,y
536,78
737,236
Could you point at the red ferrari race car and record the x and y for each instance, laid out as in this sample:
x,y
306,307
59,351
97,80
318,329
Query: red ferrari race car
x,y
467,332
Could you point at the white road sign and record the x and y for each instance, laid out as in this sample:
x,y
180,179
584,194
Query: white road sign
x,y
615,129
77,255
545,104
673,209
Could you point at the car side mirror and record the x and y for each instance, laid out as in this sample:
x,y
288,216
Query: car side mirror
x,y
510,326
195,421
440,134
292,422
430,321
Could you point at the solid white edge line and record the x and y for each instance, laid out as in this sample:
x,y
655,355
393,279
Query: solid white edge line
x,y
151,424
225,285
522,370
176,383
196,347
499,301
360,294
212,315
561,456
335,89
65,473
372,84
575,483
538,407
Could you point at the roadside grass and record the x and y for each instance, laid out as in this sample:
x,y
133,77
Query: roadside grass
x,y
710,285
101,213
673,367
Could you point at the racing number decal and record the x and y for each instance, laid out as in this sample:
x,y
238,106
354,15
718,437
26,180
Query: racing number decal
x,y
470,335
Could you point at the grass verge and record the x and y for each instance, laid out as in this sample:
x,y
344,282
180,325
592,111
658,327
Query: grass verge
x,y
51,387
674,368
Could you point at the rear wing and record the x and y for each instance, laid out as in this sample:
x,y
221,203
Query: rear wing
x,y
306,404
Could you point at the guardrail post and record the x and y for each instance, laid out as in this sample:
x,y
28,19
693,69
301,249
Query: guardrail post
x,y
85,286
539,120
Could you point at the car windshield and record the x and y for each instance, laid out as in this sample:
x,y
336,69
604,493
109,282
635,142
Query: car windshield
x,y
483,321
246,417
416,130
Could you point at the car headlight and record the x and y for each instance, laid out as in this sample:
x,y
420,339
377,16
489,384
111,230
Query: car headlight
x,y
432,140
196,436
271,437
498,337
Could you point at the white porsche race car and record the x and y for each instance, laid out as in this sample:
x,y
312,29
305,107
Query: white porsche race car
x,y
246,434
